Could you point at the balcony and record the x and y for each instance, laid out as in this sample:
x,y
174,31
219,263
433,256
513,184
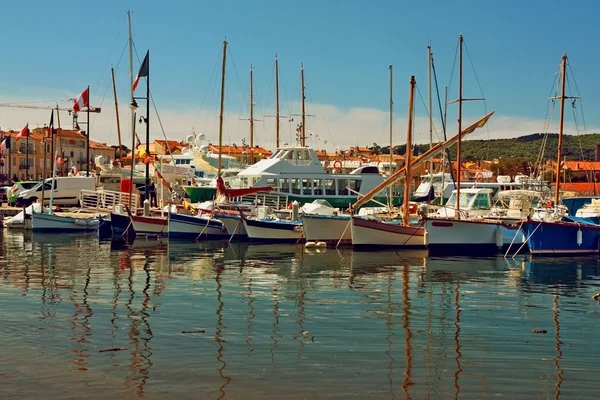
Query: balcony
x,y
24,166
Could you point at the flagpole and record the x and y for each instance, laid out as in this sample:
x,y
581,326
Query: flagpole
x,y
27,153
44,150
147,191
87,147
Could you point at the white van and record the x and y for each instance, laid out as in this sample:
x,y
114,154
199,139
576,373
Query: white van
x,y
66,191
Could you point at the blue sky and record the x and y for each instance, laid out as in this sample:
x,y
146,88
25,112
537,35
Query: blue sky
x,y
54,50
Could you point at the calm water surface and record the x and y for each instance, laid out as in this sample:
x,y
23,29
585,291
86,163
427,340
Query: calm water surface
x,y
81,318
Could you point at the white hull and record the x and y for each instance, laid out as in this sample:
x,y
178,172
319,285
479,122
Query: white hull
x,y
318,228
451,232
366,232
234,225
271,232
150,225
194,227
53,222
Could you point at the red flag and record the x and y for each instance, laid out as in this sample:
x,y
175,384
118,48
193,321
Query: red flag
x,y
24,133
83,100
144,70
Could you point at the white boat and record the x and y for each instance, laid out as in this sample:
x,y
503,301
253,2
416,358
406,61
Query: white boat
x,y
22,220
63,223
331,229
150,225
368,232
194,227
273,230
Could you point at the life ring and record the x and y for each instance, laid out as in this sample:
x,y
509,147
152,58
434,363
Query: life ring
x,y
289,206
337,165
549,203
479,177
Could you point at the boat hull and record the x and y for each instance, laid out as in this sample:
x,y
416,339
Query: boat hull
x,y
371,233
446,235
331,229
234,225
119,223
273,231
189,226
62,223
560,238
158,226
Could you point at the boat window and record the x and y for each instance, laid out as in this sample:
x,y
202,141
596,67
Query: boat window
x,y
355,184
342,190
285,185
318,186
465,199
306,186
272,182
295,184
482,201
244,181
330,187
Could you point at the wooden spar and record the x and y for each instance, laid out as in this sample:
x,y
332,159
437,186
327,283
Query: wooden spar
x,y
408,152
391,193
560,127
458,145
220,162
421,159
112,70
132,110
430,88
276,102
251,118
303,128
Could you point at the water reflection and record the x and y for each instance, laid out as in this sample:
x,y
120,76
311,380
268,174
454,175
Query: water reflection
x,y
219,334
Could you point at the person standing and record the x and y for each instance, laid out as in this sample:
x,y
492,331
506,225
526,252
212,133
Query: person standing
x,y
152,192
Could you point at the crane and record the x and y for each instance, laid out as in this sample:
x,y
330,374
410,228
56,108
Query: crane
x,y
69,110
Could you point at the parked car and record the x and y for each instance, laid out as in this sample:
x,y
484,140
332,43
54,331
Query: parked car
x,y
16,189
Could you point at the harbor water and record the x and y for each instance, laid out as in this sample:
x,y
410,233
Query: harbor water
x,y
81,318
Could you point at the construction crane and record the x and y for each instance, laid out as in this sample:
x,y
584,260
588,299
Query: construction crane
x,y
69,110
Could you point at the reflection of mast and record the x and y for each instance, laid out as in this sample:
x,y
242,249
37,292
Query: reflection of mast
x,y
81,332
407,333
276,329
218,335
301,315
429,335
559,370
251,314
117,287
389,324
456,342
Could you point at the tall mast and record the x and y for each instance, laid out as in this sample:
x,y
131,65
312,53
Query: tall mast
x,y
560,126
276,102
131,109
222,105
112,70
391,197
458,145
408,153
430,62
251,118
303,129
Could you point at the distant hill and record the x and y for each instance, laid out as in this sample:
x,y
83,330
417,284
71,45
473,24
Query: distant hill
x,y
580,147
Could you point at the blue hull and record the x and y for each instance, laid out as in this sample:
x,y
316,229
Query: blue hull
x,y
561,238
104,228
119,223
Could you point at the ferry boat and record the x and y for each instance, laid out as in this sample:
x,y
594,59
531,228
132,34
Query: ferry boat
x,y
297,173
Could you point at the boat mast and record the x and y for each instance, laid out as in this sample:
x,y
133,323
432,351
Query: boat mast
x,y
132,110
251,118
222,105
391,194
458,145
112,70
430,62
408,153
560,126
276,102
303,128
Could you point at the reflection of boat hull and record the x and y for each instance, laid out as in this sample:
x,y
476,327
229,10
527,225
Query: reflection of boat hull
x,y
327,228
371,232
233,225
188,226
104,228
561,238
273,231
63,223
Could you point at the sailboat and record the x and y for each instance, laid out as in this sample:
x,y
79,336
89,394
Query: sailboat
x,y
378,232
566,235
40,221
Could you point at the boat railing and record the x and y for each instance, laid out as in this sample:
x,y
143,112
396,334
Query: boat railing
x,y
105,200
273,201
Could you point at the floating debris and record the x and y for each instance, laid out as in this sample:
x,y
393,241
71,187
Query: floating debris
x,y
539,331
113,349
198,331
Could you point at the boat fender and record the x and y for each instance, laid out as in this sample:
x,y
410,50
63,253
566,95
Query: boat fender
x,y
479,177
321,244
310,245
80,222
499,236
579,237
298,228
337,165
